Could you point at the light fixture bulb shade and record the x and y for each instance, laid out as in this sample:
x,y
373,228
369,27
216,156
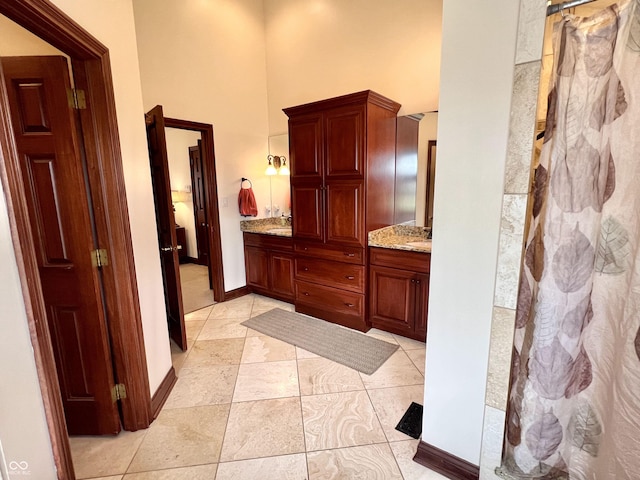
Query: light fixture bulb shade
x,y
271,170
284,170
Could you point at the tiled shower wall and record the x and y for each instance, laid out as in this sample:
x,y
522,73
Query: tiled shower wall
x,y
524,101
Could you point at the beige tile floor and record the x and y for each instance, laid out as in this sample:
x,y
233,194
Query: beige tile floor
x,y
247,406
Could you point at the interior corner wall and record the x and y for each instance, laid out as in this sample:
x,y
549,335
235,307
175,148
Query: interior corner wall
x,y
478,49
24,435
205,62
112,24
322,49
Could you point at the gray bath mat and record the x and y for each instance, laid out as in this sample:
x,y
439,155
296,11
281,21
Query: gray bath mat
x,y
347,347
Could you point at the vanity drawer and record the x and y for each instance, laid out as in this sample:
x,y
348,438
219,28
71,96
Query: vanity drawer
x,y
330,252
273,242
387,257
336,274
330,299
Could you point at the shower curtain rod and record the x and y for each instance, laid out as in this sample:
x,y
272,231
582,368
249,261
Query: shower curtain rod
x,y
552,9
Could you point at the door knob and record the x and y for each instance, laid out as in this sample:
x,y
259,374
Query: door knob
x,y
166,249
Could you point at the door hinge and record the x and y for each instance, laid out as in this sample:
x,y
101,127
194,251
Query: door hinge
x,y
76,99
99,258
118,392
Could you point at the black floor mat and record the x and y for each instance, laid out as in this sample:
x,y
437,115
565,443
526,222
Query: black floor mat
x,y
411,421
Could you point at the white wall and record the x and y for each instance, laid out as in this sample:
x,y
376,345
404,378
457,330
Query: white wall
x,y
111,22
205,62
319,49
178,143
23,430
478,48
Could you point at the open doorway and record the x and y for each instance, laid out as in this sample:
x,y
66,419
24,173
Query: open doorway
x,y
188,195
203,184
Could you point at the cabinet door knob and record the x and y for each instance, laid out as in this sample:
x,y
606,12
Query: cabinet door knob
x,y
350,277
413,280
418,282
305,249
347,254
349,304
305,269
306,294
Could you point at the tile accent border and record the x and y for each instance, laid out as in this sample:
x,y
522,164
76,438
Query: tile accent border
x,y
444,463
520,145
162,393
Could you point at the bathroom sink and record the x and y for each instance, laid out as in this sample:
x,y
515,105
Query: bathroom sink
x,y
279,230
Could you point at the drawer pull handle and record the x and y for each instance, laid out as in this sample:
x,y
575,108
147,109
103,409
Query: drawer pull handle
x,y
306,294
349,277
347,254
305,248
349,304
305,269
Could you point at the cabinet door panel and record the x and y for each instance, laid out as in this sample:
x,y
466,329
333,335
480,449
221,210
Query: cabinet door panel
x,y
345,213
306,205
421,306
282,274
345,141
256,262
305,146
391,294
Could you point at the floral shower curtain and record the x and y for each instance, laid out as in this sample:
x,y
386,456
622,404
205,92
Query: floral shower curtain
x,y
574,403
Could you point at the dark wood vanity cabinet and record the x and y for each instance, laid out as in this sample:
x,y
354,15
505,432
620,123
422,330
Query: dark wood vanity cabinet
x,y
268,261
399,291
342,155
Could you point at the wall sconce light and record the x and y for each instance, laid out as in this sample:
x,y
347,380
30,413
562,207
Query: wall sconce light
x,y
277,165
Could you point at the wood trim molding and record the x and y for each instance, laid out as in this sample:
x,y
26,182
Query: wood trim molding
x,y
237,293
445,463
164,390
213,209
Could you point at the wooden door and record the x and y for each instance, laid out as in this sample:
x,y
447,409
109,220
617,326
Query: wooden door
x,y
54,183
392,299
281,269
256,261
306,147
154,120
199,204
421,289
307,211
344,139
345,213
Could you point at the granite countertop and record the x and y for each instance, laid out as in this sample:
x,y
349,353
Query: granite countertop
x,y
401,237
267,226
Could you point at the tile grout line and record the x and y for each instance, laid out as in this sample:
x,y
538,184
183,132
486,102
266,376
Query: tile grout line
x,y
226,427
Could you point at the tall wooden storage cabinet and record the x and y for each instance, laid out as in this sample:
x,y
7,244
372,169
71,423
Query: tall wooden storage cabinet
x,y
342,155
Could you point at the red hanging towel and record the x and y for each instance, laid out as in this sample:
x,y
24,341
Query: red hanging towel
x,y
247,201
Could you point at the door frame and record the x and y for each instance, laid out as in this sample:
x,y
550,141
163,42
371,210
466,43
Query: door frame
x,y
92,71
213,209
